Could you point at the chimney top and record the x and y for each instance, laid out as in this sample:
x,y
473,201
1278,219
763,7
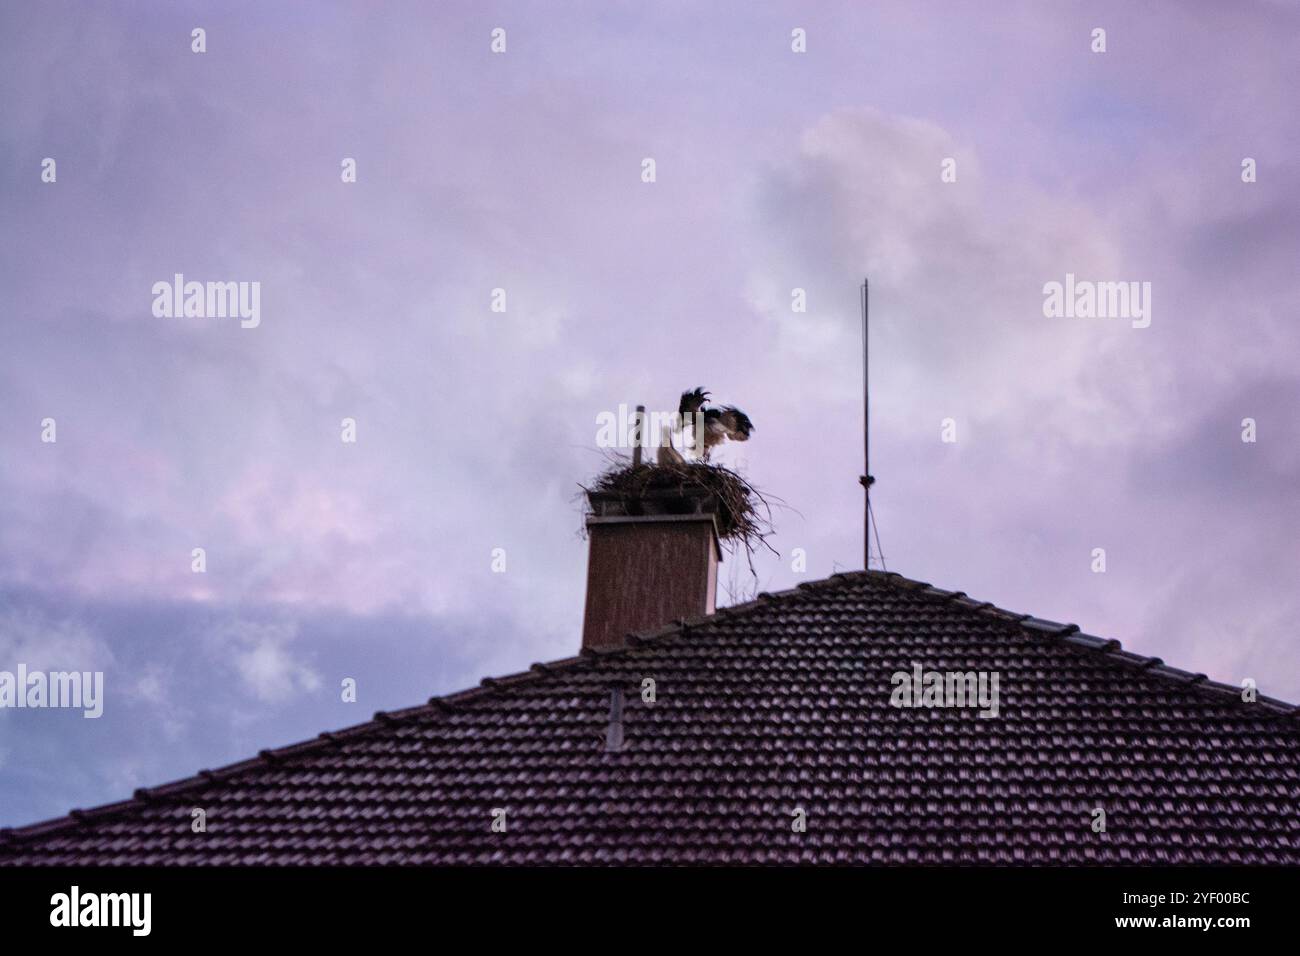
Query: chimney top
x,y
653,558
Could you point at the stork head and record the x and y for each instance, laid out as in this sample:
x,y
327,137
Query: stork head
x,y
736,423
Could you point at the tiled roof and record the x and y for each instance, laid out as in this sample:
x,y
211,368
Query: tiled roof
x,y
760,709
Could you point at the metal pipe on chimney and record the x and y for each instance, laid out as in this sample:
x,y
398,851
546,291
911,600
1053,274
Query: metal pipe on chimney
x,y
638,423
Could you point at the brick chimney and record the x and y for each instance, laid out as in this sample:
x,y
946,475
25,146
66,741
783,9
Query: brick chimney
x,y
653,559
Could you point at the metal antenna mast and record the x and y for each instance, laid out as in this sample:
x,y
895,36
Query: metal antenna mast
x,y
866,480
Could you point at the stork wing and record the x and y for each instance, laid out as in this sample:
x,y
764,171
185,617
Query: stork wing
x,y
692,401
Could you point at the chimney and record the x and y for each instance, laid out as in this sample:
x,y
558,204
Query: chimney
x,y
653,559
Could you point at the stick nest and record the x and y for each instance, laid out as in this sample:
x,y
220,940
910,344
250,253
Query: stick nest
x,y
743,513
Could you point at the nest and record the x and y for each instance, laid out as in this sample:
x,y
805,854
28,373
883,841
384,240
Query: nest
x,y
743,513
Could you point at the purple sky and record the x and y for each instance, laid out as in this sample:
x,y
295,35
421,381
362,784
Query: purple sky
x,y
775,170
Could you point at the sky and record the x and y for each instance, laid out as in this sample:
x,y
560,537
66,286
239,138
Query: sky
x,y
523,170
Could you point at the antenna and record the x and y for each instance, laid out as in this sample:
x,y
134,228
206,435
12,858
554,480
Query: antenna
x,y
866,480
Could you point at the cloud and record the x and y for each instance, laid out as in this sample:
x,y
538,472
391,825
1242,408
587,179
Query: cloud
x,y
45,642
957,271
259,654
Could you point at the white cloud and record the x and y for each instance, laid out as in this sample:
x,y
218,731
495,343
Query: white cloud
x,y
42,642
259,654
957,271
